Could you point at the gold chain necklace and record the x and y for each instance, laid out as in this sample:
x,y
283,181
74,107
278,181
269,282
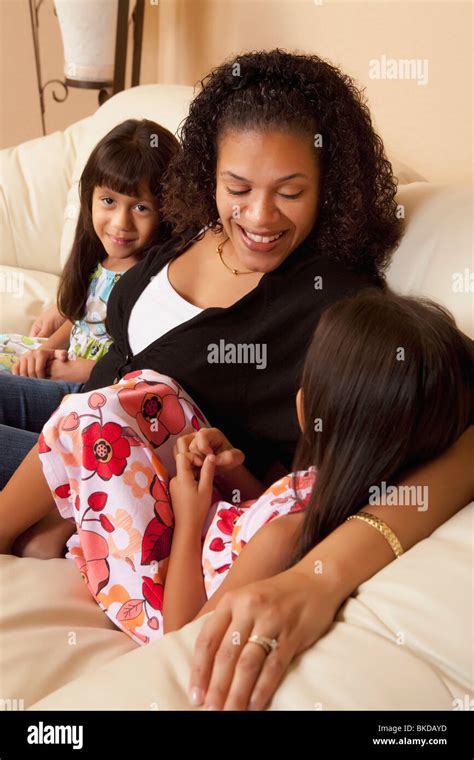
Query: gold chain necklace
x,y
231,269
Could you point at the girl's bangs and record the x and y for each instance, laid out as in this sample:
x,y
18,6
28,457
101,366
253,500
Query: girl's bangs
x,y
123,172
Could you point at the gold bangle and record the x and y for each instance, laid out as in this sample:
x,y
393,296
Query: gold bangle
x,y
382,527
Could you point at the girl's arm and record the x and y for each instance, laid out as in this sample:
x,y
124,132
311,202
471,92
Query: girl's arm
x,y
265,555
60,338
47,323
240,480
184,593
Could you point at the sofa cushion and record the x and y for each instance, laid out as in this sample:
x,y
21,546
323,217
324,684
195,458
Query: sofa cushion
x,y
435,255
51,629
403,641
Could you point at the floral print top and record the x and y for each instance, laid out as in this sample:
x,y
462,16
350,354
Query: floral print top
x,y
233,525
89,337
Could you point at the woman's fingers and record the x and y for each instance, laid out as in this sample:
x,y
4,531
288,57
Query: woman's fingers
x,y
227,670
243,675
274,667
205,648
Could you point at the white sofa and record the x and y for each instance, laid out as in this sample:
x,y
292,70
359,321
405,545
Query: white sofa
x,y
403,641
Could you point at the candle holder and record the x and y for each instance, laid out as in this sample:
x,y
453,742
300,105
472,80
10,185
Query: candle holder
x,y
95,41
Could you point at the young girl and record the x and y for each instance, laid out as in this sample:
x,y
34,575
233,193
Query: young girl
x,y
120,196
386,386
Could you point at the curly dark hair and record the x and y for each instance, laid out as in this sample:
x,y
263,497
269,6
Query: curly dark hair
x,y
357,222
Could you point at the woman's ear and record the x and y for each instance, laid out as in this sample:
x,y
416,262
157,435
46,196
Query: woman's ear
x,y
299,409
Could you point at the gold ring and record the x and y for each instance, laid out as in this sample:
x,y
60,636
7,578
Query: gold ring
x,y
268,644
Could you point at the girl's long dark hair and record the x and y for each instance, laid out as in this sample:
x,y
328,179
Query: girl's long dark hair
x,y
387,385
131,153
357,220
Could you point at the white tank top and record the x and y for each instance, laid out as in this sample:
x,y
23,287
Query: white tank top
x,y
157,310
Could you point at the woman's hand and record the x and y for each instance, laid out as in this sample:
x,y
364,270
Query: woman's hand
x,y
37,362
47,323
209,441
229,672
190,495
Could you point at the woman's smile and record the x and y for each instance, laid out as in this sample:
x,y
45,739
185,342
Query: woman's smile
x,y
260,242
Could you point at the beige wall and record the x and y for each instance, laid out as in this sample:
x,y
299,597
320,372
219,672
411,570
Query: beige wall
x,y
427,126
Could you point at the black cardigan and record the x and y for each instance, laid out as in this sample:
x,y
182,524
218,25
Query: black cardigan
x,y
255,408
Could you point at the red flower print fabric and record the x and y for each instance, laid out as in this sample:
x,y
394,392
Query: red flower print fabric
x,y
108,458
233,525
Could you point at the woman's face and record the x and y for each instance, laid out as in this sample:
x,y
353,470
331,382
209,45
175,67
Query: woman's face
x,y
267,184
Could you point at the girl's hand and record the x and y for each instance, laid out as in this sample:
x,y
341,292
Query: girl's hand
x,y
290,607
47,323
191,496
72,370
37,362
210,441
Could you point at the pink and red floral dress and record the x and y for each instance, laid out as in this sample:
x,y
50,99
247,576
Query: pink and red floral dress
x,y
108,457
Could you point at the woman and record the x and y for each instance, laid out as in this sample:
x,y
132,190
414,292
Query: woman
x,y
274,145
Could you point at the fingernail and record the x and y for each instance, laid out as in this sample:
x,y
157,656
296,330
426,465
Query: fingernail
x,y
211,707
196,696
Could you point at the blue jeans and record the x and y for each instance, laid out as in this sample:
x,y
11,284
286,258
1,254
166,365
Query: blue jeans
x,y
26,403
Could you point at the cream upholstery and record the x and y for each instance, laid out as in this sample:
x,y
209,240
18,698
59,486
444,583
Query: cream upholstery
x,y
402,642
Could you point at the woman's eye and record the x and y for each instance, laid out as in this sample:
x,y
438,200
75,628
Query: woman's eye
x,y
141,207
291,197
106,201
282,195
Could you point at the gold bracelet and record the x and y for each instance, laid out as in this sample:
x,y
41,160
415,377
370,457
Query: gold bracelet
x,y
382,527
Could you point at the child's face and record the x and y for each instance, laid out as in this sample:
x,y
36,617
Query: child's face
x,y
266,183
122,223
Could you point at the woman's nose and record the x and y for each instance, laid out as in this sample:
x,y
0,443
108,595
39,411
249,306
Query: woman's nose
x,y
261,212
